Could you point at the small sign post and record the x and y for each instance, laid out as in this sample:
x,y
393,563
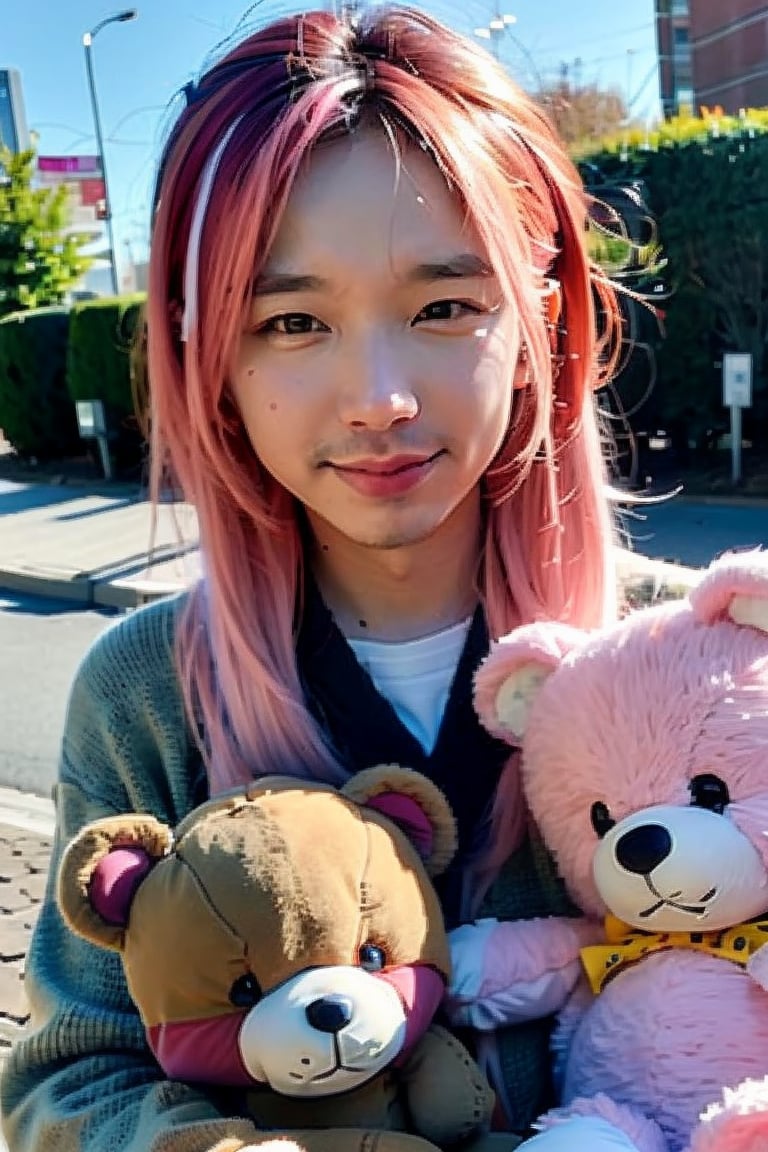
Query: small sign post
x,y
737,394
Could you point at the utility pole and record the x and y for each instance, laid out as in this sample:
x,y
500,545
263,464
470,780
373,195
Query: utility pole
x,y
88,38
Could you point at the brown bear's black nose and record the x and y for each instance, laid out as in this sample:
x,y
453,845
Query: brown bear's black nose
x,y
643,848
329,1013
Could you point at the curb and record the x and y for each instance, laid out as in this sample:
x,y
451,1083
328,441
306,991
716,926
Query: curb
x,y
85,590
27,811
121,586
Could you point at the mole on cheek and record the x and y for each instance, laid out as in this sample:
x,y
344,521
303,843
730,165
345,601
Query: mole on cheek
x,y
273,407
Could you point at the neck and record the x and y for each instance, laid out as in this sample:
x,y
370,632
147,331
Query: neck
x,y
405,592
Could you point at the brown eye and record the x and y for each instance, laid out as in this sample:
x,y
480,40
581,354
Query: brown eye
x,y
245,992
371,958
294,324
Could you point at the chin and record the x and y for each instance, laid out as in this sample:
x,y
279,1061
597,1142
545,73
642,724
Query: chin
x,y
391,536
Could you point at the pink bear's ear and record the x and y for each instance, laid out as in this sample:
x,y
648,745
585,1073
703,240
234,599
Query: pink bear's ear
x,y
735,587
509,679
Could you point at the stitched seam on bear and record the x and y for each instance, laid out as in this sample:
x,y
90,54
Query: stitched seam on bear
x,y
476,1085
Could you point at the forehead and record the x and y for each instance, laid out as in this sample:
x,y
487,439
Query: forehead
x,y
359,199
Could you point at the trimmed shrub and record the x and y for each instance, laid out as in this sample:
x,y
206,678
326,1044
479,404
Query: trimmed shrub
x,y
37,415
102,335
706,179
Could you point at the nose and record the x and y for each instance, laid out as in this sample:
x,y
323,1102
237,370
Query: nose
x,y
376,393
329,1013
643,848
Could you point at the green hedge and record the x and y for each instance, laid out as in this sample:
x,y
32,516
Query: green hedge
x,y
706,181
102,336
37,415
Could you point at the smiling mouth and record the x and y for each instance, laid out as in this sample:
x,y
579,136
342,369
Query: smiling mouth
x,y
396,469
673,901
339,1066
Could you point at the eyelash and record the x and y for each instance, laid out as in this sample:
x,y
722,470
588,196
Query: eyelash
x,y
271,326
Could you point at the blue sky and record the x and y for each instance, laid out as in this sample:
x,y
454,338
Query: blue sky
x,y
140,65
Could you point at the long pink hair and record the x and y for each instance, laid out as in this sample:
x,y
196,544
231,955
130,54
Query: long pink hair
x,y
548,531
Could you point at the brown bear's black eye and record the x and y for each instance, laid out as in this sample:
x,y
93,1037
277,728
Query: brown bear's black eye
x,y
708,791
245,992
371,958
602,821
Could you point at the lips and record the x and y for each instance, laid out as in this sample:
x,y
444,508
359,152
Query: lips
x,y
389,466
390,477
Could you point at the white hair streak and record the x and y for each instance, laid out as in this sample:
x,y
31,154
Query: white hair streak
x,y
192,262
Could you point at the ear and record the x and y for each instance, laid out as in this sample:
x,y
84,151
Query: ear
x,y
735,587
509,679
415,805
101,871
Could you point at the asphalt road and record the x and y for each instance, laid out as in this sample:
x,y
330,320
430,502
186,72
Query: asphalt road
x,y
694,533
41,644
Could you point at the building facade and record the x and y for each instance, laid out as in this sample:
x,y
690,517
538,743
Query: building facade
x,y
729,43
674,48
13,121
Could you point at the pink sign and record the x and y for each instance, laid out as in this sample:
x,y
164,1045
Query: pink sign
x,y
70,165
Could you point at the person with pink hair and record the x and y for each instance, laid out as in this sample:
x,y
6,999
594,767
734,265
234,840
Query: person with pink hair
x,y
374,334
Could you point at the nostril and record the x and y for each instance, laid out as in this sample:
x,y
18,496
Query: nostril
x,y
329,1013
642,849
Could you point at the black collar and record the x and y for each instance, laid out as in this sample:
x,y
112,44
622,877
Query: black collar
x,y
364,729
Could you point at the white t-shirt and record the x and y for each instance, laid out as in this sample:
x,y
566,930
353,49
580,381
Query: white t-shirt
x,y
415,676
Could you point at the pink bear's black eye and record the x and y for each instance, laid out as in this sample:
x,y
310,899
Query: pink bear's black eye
x,y
710,792
371,958
602,821
245,992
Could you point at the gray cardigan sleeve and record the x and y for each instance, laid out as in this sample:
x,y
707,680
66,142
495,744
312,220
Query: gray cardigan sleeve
x,y
83,1079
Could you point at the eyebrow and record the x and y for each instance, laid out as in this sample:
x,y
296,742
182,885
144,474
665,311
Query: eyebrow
x,y
464,266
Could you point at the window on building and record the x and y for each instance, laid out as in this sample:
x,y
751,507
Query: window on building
x,y
684,99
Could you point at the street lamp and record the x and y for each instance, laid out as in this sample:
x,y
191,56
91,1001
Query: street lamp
x,y
498,28
495,30
88,38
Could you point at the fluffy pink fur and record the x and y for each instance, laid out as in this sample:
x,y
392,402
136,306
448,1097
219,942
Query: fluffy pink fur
x,y
667,1036
628,716
738,1124
646,1133
738,574
543,644
645,706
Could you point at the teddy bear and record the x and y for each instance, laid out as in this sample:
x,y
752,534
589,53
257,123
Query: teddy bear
x,y
285,942
644,764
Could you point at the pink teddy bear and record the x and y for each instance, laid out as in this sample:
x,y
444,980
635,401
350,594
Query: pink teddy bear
x,y
644,758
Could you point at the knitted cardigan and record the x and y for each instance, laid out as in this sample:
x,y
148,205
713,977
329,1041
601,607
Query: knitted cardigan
x,y
83,1079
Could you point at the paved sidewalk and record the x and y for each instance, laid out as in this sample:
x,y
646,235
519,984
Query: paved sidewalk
x,y
93,544
24,857
26,834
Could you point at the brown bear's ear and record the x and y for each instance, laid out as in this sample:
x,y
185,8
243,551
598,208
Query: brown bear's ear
x,y
415,805
101,870
734,587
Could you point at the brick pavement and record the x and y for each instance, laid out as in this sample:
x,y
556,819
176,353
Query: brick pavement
x,y
24,857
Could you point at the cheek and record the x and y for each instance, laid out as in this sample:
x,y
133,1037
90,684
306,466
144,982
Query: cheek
x,y
478,374
478,397
272,409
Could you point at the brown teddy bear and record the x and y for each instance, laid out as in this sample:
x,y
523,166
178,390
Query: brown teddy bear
x,y
286,942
